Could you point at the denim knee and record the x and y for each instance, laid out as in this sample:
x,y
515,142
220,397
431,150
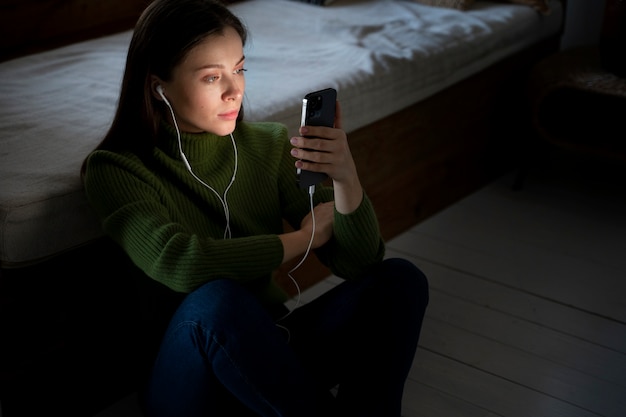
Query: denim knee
x,y
215,300
407,276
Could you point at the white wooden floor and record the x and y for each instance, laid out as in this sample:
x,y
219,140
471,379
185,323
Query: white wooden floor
x,y
527,315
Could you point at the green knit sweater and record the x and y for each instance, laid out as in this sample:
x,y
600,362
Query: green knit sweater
x,y
172,226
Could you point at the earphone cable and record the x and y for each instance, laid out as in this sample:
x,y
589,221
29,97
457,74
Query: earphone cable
x,y
306,253
223,200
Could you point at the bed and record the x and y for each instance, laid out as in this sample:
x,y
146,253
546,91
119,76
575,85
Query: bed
x,y
432,99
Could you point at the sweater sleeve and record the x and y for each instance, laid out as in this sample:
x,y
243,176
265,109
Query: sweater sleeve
x,y
146,221
356,244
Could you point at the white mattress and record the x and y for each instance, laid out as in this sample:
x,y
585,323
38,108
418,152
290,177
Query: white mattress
x,y
381,56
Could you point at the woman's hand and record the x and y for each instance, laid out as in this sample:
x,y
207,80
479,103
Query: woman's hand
x,y
326,149
296,243
324,214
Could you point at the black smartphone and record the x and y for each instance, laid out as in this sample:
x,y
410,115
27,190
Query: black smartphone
x,y
318,109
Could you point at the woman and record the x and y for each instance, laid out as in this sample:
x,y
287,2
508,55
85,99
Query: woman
x,y
196,197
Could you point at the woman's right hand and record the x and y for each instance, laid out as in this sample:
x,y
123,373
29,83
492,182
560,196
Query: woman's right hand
x,y
324,214
295,243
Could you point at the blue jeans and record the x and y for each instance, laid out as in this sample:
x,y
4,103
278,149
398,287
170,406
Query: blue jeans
x,y
224,354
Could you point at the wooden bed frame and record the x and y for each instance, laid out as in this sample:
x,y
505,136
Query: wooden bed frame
x,y
412,164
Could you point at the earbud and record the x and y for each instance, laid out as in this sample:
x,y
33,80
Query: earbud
x,y
161,92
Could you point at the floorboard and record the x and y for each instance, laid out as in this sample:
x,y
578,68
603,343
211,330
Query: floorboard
x,y
486,390
527,315
567,320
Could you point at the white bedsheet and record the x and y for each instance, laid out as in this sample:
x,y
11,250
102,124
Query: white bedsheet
x,y
381,56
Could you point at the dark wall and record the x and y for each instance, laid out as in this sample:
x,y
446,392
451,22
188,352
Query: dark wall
x,y
28,26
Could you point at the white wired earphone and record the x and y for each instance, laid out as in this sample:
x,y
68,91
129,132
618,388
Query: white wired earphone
x,y
222,198
224,201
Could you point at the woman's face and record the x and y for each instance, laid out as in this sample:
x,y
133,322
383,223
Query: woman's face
x,y
207,87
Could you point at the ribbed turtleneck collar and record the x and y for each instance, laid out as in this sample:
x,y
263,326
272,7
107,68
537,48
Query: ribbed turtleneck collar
x,y
195,145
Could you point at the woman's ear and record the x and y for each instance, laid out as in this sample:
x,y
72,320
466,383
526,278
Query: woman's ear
x,y
157,89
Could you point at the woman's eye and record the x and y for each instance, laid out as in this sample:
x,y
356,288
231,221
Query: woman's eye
x,y
240,71
211,78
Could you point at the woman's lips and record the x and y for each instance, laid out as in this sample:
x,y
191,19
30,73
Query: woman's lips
x,y
231,115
